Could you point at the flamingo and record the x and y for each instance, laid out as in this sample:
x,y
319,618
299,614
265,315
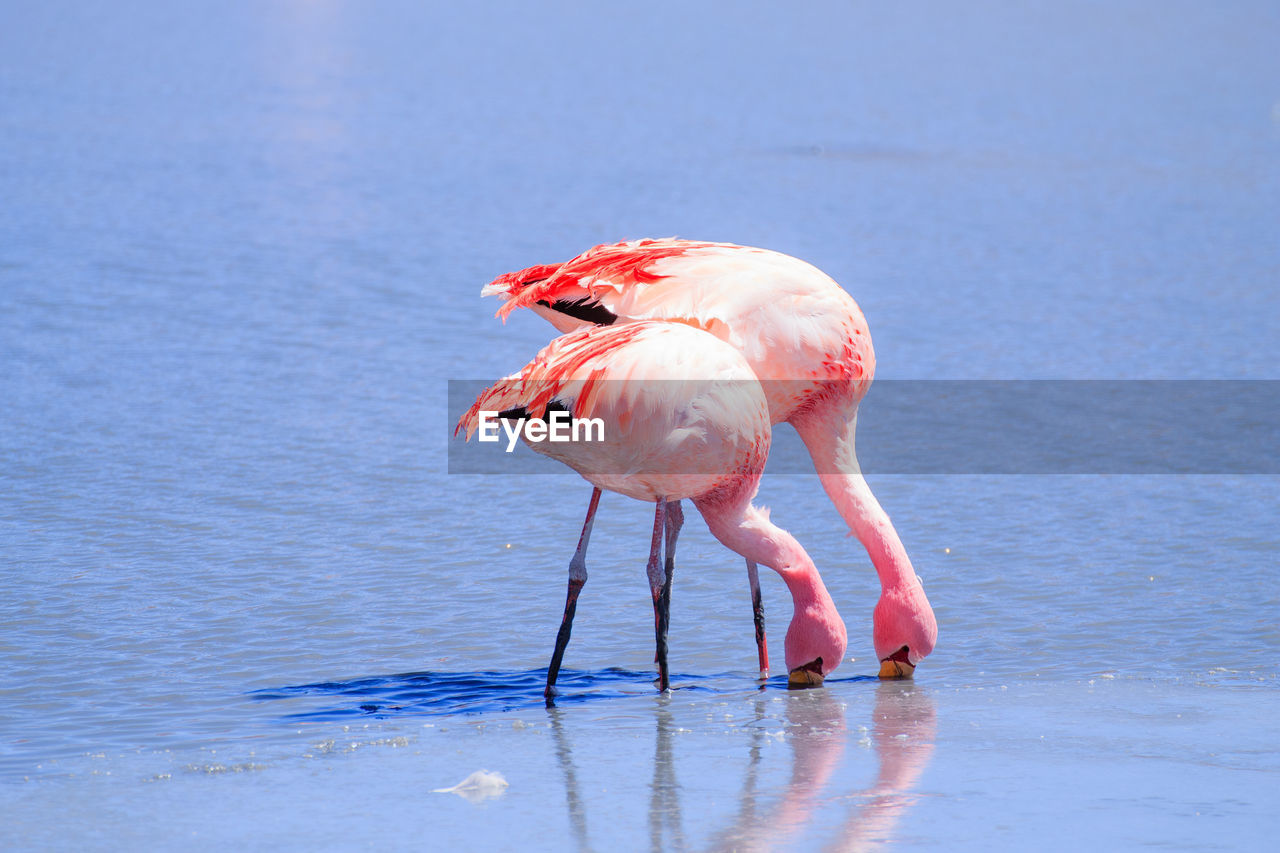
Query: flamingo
x,y
808,343
684,417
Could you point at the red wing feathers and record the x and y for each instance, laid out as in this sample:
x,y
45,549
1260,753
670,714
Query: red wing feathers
x,y
575,356
611,266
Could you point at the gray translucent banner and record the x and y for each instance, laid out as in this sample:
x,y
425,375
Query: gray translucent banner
x,y
1004,427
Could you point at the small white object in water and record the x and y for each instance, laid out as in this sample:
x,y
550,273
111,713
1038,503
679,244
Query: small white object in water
x,y
480,785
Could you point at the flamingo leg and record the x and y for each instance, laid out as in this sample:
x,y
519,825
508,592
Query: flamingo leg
x,y
577,577
757,614
657,583
674,522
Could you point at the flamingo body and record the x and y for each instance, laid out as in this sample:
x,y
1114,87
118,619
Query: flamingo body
x,y
684,417
801,334
682,412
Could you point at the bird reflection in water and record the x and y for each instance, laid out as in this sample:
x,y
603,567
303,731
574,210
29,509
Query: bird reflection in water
x,y
664,801
901,733
564,752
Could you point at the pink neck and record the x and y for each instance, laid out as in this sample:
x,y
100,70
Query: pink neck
x,y
830,443
816,632
748,530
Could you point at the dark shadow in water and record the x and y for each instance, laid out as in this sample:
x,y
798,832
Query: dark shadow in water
x,y
444,693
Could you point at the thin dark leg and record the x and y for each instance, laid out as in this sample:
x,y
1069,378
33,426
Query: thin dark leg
x,y
577,577
675,521
562,639
757,615
657,582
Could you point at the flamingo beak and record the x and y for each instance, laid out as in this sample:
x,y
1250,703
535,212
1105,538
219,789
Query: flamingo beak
x,y
809,675
897,665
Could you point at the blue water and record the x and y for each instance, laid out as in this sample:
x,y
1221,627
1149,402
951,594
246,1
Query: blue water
x,y
240,252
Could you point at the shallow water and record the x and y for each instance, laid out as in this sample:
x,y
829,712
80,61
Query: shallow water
x,y
243,601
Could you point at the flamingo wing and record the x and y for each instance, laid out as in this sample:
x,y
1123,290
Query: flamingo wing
x,y
579,287
789,319
566,370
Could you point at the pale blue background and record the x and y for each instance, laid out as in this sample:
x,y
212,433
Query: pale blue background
x,y
240,252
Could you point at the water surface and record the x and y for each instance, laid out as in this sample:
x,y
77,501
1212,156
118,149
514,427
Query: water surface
x,y
243,602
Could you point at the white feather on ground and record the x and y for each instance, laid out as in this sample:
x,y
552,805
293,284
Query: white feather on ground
x,y
480,785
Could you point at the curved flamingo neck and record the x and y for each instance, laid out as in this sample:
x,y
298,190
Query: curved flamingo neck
x,y
749,531
816,633
830,441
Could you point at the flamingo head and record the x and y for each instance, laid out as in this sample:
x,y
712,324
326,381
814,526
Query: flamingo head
x,y
815,642
904,629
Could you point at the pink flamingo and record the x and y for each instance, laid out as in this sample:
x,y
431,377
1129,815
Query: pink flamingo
x,y
805,339
684,417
